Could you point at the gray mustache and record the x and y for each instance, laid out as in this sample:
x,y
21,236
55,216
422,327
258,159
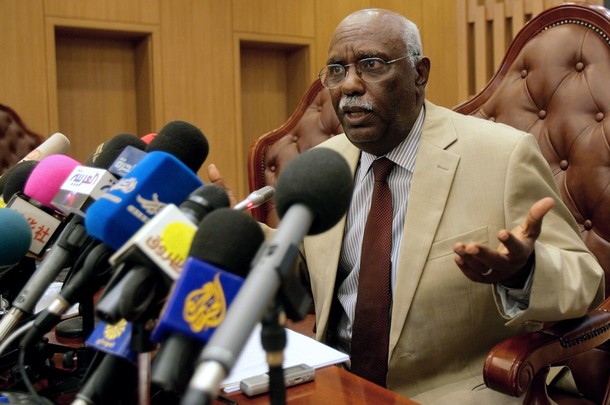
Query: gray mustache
x,y
355,101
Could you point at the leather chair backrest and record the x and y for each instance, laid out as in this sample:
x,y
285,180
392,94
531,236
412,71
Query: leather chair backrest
x,y
16,140
554,83
313,122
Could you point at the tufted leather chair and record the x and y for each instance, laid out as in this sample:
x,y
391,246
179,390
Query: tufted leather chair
x,y
554,82
313,122
16,140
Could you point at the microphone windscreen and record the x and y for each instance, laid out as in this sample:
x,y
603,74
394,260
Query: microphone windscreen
x,y
184,141
159,179
47,177
15,236
56,144
214,241
14,179
320,179
149,137
106,153
204,200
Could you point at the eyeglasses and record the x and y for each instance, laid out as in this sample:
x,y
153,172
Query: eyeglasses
x,y
370,70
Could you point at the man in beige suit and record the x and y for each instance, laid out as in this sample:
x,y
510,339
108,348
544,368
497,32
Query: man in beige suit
x,y
482,246
464,182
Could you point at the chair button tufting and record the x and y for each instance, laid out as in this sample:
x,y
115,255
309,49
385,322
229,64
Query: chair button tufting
x,y
272,168
523,74
599,117
295,138
588,225
580,67
563,165
542,114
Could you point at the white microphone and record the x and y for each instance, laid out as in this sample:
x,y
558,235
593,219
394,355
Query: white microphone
x,y
256,198
54,145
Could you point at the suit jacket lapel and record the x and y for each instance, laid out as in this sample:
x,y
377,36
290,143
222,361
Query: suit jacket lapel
x,y
324,249
432,178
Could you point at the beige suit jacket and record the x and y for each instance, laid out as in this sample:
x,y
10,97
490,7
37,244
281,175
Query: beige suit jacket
x,y
472,177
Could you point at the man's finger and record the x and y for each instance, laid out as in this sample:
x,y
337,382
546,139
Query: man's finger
x,y
533,223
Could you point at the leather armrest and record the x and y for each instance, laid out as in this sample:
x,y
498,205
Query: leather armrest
x,y
513,364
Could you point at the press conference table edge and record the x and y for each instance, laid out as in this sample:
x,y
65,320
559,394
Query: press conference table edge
x,y
332,385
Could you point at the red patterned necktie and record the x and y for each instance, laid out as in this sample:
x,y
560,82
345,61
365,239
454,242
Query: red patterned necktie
x,y
371,329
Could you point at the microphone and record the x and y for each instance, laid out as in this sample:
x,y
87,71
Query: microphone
x,y
44,180
182,140
84,283
161,245
34,203
88,183
55,144
14,179
126,161
105,153
309,202
116,374
15,238
222,249
256,198
149,137
159,179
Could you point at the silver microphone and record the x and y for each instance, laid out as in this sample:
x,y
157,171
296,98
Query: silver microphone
x,y
256,198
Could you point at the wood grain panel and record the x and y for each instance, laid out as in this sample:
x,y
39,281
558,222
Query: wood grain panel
x,y
199,77
327,16
133,11
278,17
96,90
23,71
438,28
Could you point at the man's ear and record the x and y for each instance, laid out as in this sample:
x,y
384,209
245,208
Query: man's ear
x,y
423,71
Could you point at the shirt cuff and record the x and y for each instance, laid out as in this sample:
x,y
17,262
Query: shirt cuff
x,y
516,300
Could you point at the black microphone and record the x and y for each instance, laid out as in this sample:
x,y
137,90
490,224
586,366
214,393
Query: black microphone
x,y
219,259
113,381
313,193
183,140
155,255
13,181
105,153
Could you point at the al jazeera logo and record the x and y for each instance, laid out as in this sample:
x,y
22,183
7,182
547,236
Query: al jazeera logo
x,y
112,333
205,307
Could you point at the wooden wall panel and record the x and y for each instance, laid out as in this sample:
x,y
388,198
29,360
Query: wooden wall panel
x,y
199,77
277,17
328,15
133,11
23,79
96,81
437,29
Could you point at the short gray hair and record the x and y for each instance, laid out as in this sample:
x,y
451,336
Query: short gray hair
x,y
412,40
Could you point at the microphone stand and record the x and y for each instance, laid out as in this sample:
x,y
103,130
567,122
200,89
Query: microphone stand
x,y
292,301
273,340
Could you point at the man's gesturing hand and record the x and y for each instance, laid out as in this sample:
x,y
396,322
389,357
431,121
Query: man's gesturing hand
x,y
511,263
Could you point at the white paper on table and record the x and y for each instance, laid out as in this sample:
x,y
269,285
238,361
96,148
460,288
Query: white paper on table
x,y
299,349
